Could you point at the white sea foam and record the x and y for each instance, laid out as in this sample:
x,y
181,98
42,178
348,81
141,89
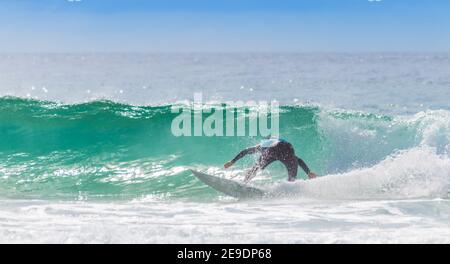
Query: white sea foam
x,y
414,173
264,221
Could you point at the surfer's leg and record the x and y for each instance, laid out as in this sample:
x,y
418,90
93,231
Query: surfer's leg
x,y
266,162
251,172
263,162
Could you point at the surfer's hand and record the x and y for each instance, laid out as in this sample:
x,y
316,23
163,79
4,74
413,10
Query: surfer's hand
x,y
228,164
312,175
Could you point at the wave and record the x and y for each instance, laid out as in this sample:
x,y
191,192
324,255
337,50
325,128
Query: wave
x,y
413,173
106,149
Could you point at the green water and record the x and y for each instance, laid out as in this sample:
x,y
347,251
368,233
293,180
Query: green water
x,y
108,150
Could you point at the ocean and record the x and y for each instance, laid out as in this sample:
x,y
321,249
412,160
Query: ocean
x,y
87,154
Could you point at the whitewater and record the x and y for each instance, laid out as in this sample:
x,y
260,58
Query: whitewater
x,y
87,155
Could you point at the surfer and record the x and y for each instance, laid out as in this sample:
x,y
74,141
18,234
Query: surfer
x,y
271,150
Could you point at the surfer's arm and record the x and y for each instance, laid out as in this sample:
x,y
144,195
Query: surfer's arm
x,y
245,152
241,154
305,168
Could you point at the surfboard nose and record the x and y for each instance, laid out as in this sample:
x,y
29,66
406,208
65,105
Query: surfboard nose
x,y
229,187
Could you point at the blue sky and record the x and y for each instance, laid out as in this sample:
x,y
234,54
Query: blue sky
x,y
224,26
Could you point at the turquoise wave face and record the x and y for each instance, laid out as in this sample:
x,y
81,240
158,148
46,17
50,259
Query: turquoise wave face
x,y
109,150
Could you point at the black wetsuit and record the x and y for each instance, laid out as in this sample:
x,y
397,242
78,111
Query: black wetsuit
x,y
282,151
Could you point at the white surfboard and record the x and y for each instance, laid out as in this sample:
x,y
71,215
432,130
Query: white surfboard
x,y
229,187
